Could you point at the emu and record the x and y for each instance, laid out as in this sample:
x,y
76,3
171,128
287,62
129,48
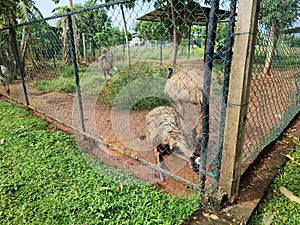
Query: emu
x,y
184,86
164,131
106,63
5,78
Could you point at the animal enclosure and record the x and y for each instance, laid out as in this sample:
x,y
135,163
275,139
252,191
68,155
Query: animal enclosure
x,y
60,65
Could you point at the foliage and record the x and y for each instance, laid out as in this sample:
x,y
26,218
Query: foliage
x,y
15,12
281,13
18,11
151,31
283,210
46,179
96,25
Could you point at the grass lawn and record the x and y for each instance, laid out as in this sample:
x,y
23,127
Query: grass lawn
x,y
276,208
46,179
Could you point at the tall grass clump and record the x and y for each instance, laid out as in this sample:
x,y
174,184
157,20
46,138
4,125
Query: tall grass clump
x,y
139,87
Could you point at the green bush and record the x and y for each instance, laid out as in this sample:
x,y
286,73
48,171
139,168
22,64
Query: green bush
x,y
139,86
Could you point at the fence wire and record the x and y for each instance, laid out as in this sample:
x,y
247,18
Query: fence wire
x,y
153,77
274,90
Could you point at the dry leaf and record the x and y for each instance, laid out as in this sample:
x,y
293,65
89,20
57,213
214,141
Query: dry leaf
x,y
291,158
289,194
267,220
120,187
106,189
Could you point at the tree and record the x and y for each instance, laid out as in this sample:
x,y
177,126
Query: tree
x,y
65,38
178,18
16,12
96,26
151,31
276,15
129,5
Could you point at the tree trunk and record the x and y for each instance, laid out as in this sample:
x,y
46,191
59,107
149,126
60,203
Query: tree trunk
x,y
174,45
177,31
75,34
84,48
66,51
24,41
270,49
126,35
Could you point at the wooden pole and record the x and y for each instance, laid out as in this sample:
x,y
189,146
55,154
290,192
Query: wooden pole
x,y
189,41
126,35
238,96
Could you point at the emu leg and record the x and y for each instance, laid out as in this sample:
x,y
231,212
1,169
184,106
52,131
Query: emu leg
x,y
159,159
8,90
104,72
110,74
6,87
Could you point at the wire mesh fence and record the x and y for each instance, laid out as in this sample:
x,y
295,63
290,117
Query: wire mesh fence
x,y
151,81
274,90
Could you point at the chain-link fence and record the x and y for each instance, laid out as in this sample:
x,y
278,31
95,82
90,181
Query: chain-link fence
x,y
274,89
151,81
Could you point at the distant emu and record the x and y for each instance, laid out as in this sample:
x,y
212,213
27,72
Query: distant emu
x,y
106,63
5,78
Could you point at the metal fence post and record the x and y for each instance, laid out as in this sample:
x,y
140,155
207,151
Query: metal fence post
x,y
208,60
238,95
18,61
74,60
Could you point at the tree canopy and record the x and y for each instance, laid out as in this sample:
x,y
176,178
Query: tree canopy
x,y
18,11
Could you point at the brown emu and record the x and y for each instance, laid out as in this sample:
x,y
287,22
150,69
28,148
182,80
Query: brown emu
x,y
164,131
106,63
5,78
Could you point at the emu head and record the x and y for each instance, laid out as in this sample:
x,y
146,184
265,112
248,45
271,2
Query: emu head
x,y
169,73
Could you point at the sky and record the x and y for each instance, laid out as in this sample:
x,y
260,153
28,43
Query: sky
x,y
46,6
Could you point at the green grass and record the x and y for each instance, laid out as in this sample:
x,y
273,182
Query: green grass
x,y
63,81
138,53
46,179
284,211
136,87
